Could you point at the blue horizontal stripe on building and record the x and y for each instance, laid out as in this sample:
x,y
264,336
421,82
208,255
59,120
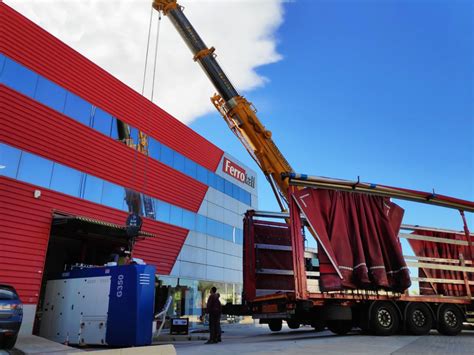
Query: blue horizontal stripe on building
x,y
27,167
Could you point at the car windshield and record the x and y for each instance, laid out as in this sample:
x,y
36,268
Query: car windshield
x,y
7,293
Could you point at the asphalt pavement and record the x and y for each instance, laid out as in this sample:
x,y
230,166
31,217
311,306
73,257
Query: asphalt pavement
x,y
257,339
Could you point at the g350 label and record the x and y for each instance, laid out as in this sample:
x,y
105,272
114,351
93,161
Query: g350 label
x,y
120,285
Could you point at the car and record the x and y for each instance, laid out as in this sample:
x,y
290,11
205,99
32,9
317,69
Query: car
x,y
11,315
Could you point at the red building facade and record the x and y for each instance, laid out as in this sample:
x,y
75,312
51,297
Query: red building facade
x,y
60,155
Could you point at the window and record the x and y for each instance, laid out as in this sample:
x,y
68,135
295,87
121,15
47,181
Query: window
x,y
211,179
215,228
114,131
239,236
190,168
178,162
189,220
2,63
162,211
154,148
201,174
244,197
134,134
19,78
148,206
220,183
166,155
228,188
235,191
201,224
113,196
78,109
50,94
176,215
35,170
102,121
66,180
9,160
93,188
228,233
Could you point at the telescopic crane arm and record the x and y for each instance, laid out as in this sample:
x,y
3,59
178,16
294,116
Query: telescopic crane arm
x,y
239,113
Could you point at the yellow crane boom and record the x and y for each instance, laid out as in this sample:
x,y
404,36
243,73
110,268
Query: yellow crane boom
x,y
239,113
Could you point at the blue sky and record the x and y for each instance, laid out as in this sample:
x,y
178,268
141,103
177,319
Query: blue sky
x,y
379,89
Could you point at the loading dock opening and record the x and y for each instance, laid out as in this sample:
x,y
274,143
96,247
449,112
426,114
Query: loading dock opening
x,y
79,240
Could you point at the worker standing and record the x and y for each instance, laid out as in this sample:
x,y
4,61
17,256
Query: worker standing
x,y
213,308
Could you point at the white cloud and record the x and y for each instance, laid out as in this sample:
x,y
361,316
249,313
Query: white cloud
x,y
113,35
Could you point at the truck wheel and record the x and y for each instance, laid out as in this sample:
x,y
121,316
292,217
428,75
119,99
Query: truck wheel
x,y
419,319
450,320
275,325
293,324
384,318
318,325
340,327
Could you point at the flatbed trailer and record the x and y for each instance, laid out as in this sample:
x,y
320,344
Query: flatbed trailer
x,y
274,256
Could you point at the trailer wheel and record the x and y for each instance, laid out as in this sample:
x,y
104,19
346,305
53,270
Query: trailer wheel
x,y
275,325
340,327
384,318
293,324
450,320
318,325
419,319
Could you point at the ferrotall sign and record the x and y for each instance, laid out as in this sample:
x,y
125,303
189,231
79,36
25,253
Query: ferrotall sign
x,y
237,172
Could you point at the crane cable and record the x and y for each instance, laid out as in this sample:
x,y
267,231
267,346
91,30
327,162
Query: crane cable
x,y
153,79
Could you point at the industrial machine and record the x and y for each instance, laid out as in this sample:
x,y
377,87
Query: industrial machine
x,y
100,306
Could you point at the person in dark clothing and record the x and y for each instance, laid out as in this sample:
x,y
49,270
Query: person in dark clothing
x,y
214,308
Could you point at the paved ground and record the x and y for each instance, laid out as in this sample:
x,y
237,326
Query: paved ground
x,y
259,340
250,339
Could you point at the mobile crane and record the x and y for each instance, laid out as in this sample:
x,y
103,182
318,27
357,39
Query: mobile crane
x,y
381,312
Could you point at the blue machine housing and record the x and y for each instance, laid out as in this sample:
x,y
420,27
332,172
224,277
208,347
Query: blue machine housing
x,y
131,303
130,300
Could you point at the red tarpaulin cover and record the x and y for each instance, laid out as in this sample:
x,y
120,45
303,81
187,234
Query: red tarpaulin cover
x,y
358,236
444,251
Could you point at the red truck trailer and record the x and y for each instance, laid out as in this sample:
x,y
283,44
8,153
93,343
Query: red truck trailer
x,y
333,287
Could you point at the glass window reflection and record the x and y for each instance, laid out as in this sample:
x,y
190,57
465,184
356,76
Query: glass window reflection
x,y
220,183
201,174
93,188
189,220
201,224
78,109
66,180
228,188
19,77
162,211
50,94
134,134
176,215
102,121
190,168
154,148
35,170
113,195
178,162
114,131
9,160
166,155
2,63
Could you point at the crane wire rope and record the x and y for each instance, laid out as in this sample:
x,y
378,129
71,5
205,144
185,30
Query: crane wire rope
x,y
152,86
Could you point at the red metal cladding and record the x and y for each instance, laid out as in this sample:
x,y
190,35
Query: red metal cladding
x,y
25,224
27,43
29,125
